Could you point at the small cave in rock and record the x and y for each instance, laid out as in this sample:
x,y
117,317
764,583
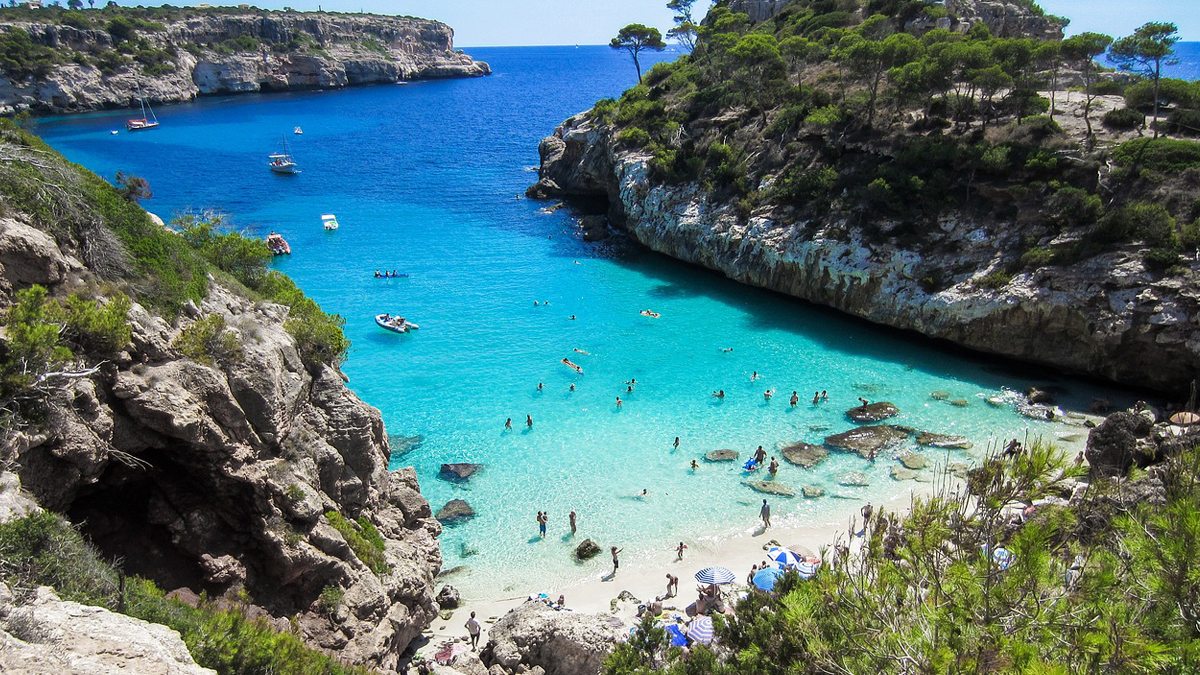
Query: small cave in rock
x,y
123,515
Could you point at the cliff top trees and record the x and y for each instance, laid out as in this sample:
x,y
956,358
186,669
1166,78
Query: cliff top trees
x,y
1084,49
1146,52
636,38
685,29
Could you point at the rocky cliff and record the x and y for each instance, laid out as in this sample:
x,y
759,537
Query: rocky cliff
x,y
199,52
1107,316
257,476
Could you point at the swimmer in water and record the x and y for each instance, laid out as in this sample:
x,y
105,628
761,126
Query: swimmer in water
x,y
529,421
726,349
577,350
695,465
816,398
754,376
571,318
768,394
572,387
720,393
619,402
676,442
795,399
508,424
539,386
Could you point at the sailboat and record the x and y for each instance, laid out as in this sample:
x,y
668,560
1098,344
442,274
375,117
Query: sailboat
x,y
146,122
282,162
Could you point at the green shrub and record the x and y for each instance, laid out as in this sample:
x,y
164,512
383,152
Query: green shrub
x,y
1073,207
1038,257
1149,223
330,599
94,327
994,280
1161,258
1124,119
33,339
319,336
633,137
824,117
1184,122
364,540
801,186
208,340
1158,154
605,111
21,58
244,258
42,549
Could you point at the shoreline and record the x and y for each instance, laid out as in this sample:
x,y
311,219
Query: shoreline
x,y
646,579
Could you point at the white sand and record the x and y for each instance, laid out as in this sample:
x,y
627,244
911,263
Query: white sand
x,y
646,579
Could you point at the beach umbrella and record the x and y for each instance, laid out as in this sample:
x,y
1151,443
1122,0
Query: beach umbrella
x,y
1003,558
1185,418
766,578
716,575
678,639
784,557
701,630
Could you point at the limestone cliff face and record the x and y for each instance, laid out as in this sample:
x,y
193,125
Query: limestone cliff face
x,y
219,477
1003,18
1105,316
295,51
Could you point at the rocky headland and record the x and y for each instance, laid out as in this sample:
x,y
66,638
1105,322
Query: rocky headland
x,y
801,195
105,59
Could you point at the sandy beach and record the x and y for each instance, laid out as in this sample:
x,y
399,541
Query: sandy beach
x,y
646,577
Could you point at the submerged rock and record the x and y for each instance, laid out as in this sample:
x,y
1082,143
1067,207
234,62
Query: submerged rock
x,y
723,455
812,491
865,440
912,460
939,395
958,469
804,454
587,549
770,487
854,479
943,441
901,473
873,412
460,471
455,511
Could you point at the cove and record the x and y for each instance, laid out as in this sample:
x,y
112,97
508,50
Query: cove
x,y
426,180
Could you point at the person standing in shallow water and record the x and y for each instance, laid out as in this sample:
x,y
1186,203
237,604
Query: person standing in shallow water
x,y
529,421
508,424
679,551
795,399
765,514
572,519
616,561
676,442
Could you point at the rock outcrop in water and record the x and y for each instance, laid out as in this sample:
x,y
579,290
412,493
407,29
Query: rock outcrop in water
x,y
175,56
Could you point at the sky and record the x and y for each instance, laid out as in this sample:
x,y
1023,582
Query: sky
x,y
479,23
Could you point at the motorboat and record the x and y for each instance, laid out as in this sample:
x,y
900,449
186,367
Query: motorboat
x,y
146,122
278,244
298,131
396,324
283,162
330,221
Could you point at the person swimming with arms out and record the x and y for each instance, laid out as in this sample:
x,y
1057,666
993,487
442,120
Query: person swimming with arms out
x,y
720,393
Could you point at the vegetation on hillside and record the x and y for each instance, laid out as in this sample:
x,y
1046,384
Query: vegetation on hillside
x,y
44,550
1101,583
50,341
865,111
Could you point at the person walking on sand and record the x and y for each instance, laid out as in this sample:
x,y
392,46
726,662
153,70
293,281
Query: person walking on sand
x,y
765,513
616,561
866,515
750,577
472,627
572,519
679,551
508,424
672,586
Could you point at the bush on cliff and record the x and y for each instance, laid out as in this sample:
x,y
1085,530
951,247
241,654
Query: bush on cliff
x,y
364,540
20,57
45,550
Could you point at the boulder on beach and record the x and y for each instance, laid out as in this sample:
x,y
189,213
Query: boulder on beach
x,y
865,440
1038,395
912,460
770,487
854,479
455,511
812,491
723,455
804,454
873,412
448,597
459,471
587,549
943,441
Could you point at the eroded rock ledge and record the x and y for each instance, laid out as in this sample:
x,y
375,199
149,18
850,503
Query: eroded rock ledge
x,y
1106,316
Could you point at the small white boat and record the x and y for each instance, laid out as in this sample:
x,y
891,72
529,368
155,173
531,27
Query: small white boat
x,y
298,131
330,221
396,324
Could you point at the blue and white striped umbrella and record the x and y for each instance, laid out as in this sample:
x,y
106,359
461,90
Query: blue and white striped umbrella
x,y
1003,558
806,569
784,556
701,630
716,575
766,578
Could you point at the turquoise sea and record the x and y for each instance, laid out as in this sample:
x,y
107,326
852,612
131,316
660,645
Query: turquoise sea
x,y
426,179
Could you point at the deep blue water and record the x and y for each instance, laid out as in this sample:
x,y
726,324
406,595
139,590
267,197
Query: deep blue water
x,y
1187,56
426,179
